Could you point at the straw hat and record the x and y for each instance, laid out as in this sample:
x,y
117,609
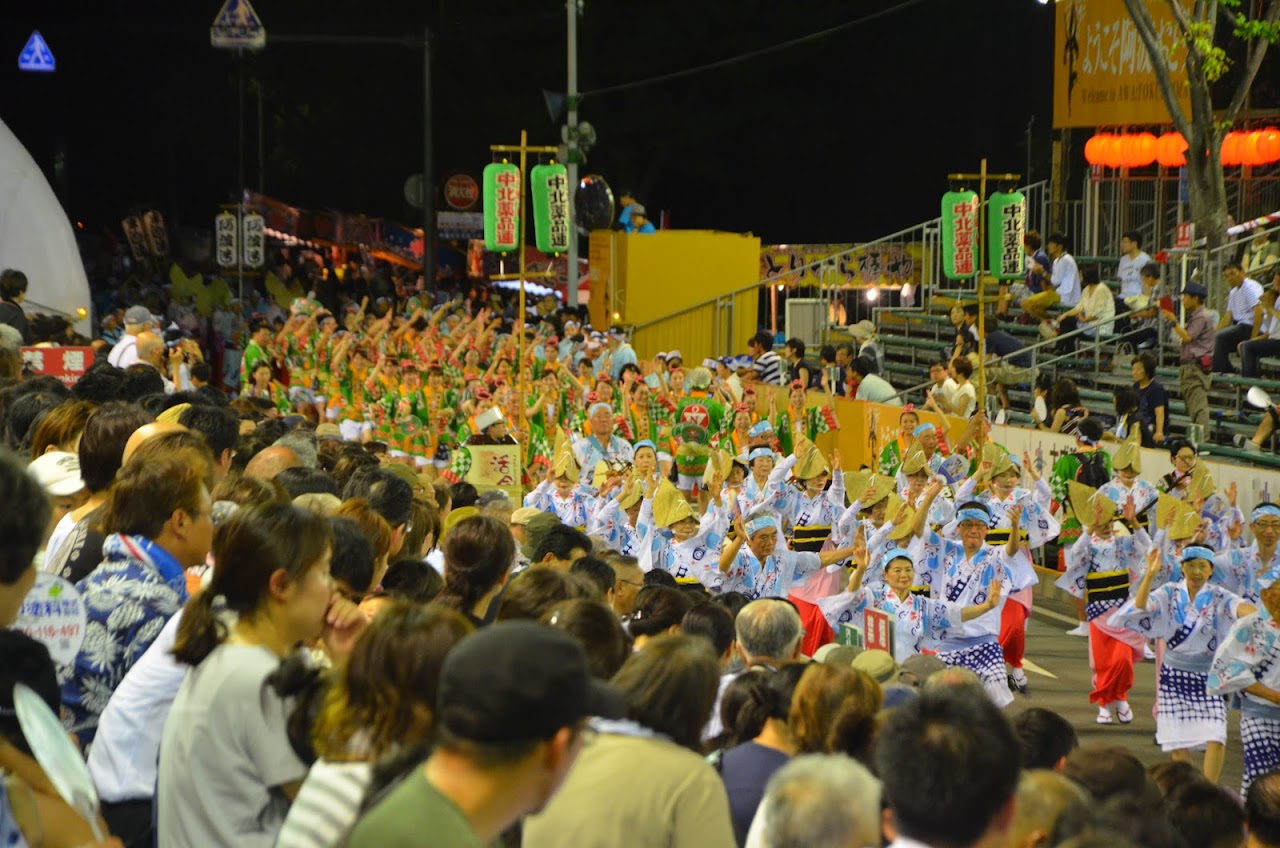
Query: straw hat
x,y
721,461
855,482
1082,501
882,487
637,492
1127,456
1004,463
915,461
1183,524
669,506
1202,484
811,462
903,530
564,463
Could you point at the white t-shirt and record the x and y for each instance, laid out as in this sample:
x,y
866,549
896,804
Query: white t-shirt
x,y
969,395
1066,279
944,392
61,531
1242,299
1129,273
225,754
125,352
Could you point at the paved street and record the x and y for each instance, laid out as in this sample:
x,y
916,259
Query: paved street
x,y
1066,657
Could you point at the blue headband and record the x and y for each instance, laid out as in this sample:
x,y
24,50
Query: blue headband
x,y
644,443
755,525
1265,509
602,405
759,429
923,428
1197,552
759,453
899,553
973,514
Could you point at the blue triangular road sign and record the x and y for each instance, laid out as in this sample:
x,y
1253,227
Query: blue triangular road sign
x,y
36,56
238,26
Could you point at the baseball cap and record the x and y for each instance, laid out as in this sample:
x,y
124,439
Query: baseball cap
x,y
877,663
137,315
519,681
1195,290
522,515
58,472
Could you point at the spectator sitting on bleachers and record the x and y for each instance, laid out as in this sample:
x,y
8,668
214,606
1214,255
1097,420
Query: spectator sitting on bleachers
x,y
1266,330
1133,261
965,319
943,388
1236,324
1014,370
965,397
1033,281
1197,348
760,346
1064,282
1270,421
1261,256
864,333
1144,330
871,386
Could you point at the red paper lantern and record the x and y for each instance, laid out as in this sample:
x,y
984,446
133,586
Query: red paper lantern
x,y
1231,153
1171,149
1269,145
1143,149
1249,152
1113,152
1093,150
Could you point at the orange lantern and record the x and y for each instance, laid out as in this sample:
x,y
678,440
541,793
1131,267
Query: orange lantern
x,y
1269,145
1171,150
1144,150
1093,150
1249,152
1113,152
1231,153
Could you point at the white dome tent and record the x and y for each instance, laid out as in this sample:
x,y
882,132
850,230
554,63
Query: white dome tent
x,y
36,238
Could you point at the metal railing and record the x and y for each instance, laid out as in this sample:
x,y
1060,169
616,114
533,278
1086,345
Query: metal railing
x,y
1096,343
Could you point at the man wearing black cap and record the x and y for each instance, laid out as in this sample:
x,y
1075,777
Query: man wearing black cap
x,y
512,706
1196,357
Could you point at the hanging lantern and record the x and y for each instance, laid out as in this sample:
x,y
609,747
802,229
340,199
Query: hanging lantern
x,y
1171,150
501,206
1113,152
549,185
1093,150
1006,229
1269,145
1250,154
1230,154
1144,150
959,234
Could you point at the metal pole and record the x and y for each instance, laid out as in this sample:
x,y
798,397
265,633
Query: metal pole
x,y
524,154
428,178
240,171
571,295
982,289
262,156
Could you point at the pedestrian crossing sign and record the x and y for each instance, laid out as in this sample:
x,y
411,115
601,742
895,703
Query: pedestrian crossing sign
x,y
36,55
238,26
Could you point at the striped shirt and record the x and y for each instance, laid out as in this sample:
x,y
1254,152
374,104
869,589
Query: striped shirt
x,y
772,365
326,806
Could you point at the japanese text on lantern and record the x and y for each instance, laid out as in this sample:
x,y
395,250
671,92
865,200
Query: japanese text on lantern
x,y
508,206
254,240
1011,246
558,195
965,262
226,246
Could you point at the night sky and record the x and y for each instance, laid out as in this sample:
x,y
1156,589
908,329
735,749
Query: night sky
x,y
842,139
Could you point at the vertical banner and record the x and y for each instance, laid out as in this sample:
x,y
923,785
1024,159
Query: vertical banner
x,y
1006,228
878,630
136,236
501,206
549,189
959,234
226,239
255,240
157,234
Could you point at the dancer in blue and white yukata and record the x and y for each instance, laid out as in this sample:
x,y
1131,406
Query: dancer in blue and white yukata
x,y
562,492
1247,571
876,511
963,572
1248,661
764,567
1003,497
1193,616
918,621
674,539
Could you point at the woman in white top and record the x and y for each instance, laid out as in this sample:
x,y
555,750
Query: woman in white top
x,y
382,701
227,769
964,400
1097,307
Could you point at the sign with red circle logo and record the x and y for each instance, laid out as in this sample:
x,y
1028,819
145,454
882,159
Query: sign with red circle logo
x,y
461,192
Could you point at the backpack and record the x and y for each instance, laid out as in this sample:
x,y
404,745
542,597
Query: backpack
x,y
1093,469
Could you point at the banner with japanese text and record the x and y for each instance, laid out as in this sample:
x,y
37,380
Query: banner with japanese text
x,y
549,190
1101,70
501,206
959,234
843,265
1006,229
495,467
68,364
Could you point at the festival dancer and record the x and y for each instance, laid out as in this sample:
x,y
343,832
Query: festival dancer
x,y
918,621
615,516
562,492
801,419
1126,464
894,452
1100,570
1247,571
1193,616
763,567
689,554
965,573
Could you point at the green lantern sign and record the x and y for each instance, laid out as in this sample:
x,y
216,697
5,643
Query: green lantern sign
x,y
501,206
959,234
1006,229
549,186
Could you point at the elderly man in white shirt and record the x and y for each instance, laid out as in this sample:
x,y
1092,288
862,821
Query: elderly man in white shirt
x,y
137,320
1236,324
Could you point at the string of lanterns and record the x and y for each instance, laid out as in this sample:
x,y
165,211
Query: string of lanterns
x,y
1138,150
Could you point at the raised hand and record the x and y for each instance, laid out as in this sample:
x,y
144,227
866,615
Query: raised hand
x,y
835,461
